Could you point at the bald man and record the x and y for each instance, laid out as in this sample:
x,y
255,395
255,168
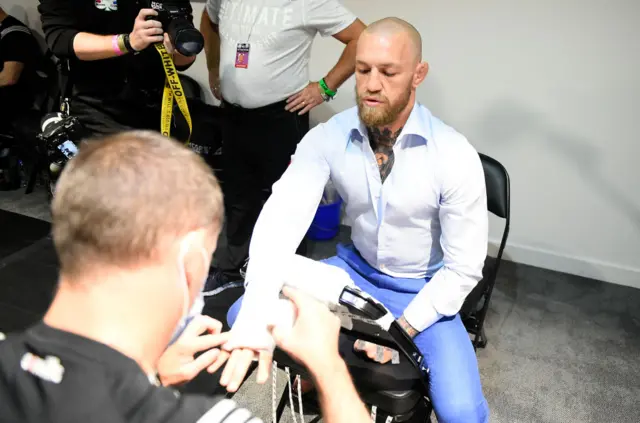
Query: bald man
x,y
415,196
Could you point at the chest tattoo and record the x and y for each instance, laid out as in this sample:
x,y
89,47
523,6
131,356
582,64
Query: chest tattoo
x,y
382,142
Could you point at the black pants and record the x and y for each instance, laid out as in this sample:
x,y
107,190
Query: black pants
x,y
104,116
257,148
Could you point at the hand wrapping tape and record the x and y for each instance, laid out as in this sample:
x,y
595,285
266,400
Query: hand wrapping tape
x,y
261,308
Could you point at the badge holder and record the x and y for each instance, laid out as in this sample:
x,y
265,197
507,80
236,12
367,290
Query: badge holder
x,y
242,55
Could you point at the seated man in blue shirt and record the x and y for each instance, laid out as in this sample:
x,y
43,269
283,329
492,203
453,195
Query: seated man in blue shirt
x,y
415,195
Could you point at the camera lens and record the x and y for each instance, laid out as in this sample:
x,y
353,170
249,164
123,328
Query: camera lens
x,y
185,37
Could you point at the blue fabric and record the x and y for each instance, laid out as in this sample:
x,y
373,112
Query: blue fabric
x,y
455,391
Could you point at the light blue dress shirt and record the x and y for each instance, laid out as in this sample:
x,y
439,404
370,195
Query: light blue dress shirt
x,y
427,220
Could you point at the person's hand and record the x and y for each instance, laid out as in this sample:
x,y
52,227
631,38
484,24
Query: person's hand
x,y
167,45
239,361
374,352
313,339
214,83
177,365
146,32
242,351
306,99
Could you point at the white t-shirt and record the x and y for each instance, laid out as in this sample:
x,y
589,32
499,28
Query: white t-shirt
x,y
279,34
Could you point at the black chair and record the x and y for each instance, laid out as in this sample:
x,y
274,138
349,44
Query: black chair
x,y
397,392
476,305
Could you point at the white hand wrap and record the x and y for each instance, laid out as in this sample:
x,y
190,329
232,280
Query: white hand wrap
x,y
319,280
261,308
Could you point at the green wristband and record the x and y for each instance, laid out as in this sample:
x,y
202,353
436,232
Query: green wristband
x,y
326,89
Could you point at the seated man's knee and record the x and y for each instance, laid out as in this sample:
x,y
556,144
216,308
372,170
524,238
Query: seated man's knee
x,y
232,314
462,410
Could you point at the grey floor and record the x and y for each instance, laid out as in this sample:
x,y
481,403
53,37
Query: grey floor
x,y
561,348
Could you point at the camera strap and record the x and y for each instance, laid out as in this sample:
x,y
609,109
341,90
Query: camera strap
x,y
172,90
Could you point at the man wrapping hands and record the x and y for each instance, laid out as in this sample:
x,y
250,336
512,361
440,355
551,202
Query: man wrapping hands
x,y
415,196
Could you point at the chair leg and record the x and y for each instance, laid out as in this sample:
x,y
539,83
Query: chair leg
x,y
480,340
33,176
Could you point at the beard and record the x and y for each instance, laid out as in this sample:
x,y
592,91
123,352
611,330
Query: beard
x,y
385,113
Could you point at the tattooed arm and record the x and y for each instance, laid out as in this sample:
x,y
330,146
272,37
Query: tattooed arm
x,y
407,327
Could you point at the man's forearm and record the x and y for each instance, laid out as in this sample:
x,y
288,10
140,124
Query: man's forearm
x,y
339,399
410,330
183,62
344,68
6,80
211,36
10,74
89,47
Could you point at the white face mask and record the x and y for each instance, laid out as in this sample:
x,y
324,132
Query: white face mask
x,y
198,303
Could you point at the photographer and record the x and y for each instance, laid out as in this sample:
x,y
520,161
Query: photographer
x,y
116,76
132,267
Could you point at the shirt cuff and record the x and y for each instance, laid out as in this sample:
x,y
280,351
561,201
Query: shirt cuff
x,y
420,315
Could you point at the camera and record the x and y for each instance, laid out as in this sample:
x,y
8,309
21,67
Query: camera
x,y
60,137
176,17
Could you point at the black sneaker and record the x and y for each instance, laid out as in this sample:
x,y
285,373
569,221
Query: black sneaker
x,y
243,269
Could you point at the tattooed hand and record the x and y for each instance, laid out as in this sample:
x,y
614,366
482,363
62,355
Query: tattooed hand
x,y
382,142
377,353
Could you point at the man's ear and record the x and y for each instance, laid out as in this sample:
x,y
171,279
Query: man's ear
x,y
420,74
197,261
195,272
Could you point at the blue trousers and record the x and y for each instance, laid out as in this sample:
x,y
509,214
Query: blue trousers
x,y
455,388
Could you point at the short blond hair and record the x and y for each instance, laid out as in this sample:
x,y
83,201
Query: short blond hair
x,y
125,199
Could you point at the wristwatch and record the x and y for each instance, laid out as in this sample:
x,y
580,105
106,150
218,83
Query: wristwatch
x,y
325,96
127,44
325,91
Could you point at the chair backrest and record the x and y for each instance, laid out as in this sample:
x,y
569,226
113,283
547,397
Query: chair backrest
x,y
498,203
497,183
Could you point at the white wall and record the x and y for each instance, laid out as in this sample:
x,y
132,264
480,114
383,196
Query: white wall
x,y
549,88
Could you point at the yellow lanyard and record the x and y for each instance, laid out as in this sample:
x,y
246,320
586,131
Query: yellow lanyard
x,y
172,90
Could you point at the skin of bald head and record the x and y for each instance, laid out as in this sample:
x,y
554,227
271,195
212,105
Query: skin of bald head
x,y
389,69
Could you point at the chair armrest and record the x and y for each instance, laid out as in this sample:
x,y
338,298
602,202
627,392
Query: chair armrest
x,y
362,303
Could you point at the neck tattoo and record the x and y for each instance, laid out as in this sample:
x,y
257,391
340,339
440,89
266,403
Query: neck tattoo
x,y
382,142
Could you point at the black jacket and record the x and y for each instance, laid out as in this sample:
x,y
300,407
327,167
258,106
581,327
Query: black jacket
x,y
123,78
48,375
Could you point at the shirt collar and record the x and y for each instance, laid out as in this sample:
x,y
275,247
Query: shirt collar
x,y
418,124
